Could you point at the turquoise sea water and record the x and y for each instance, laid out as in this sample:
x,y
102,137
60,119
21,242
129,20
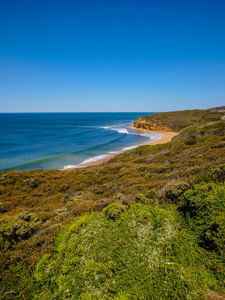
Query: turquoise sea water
x,y
65,140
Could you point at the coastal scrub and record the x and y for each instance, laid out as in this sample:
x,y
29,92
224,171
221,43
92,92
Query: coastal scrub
x,y
143,253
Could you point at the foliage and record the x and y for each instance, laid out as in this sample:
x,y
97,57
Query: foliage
x,y
204,207
114,211
141,254
201,132
175,190
17,228
218,172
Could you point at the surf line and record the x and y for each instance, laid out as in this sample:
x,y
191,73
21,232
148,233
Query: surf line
x,y
95,160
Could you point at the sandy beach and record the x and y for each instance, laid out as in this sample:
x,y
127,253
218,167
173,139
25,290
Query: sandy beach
x,y
166,137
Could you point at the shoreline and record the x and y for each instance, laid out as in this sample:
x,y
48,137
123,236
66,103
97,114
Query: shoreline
x,y
166,137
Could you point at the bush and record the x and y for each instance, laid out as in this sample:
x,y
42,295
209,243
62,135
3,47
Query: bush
x,y
145,200
175,190
17,228
218,172
114,210
2,208
204,208
152,194
138,255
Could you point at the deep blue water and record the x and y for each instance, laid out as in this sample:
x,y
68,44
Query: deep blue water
x,y
62,140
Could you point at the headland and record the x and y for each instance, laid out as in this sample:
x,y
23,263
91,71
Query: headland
x,y
147,223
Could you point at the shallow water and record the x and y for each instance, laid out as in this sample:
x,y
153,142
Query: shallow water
x,y
65,140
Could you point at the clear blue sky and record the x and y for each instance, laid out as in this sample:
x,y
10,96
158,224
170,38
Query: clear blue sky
x,y
126,55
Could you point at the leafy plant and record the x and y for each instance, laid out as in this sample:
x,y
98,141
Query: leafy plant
x,y
204,207
175,190
139,254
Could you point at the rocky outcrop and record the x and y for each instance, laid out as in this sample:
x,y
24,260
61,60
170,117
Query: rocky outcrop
x,y
142,124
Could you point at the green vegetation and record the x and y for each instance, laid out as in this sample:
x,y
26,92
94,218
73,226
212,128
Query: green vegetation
x,y
178,120
126,253
147,224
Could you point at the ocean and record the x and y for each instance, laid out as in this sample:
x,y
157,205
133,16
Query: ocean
x,y
65,140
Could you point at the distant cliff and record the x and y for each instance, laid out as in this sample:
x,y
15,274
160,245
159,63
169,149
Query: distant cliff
x,y
142,124
176,120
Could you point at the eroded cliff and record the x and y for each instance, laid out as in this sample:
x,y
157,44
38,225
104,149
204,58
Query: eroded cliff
x,y
142,124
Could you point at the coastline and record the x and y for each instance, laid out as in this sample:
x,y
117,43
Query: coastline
x,y
166,137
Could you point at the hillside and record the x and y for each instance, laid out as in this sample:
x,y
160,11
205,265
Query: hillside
x,y
147,224
177,120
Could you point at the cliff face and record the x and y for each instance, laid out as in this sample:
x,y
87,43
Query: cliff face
x,y
142,124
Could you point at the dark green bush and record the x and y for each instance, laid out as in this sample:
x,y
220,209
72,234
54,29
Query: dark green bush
x,y
218,172
204,208
17,228
175,190
147,199
114,210
152,194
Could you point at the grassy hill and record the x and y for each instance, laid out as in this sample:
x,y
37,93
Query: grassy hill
x,y
178,120
147,224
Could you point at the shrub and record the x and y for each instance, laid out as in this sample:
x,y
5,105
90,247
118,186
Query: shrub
x,y
61,214
17,228
218,172
138,255
204,208
144,199
114,210
80,207
2,208
152,194
68,196
102,203
175,190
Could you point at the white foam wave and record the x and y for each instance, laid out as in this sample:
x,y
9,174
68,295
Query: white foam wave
x,y
117,128
94,159
68,167
151,138
122,130
130,148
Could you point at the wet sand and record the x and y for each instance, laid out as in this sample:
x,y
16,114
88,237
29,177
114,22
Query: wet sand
x,y
166,137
